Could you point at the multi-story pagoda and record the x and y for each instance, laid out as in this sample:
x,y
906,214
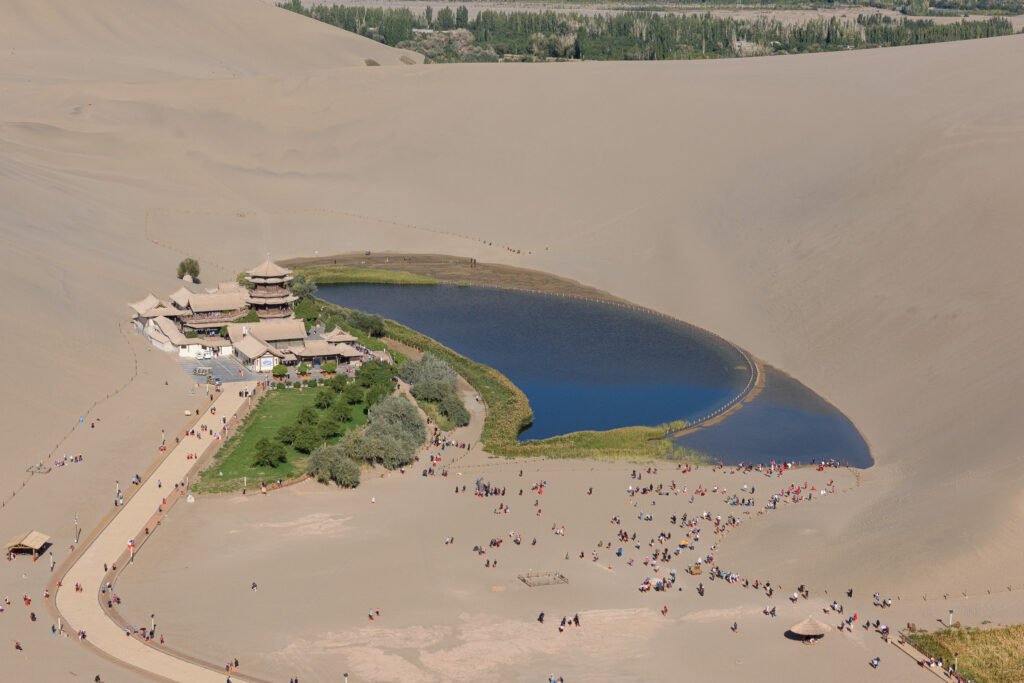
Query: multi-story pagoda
x,y
270,295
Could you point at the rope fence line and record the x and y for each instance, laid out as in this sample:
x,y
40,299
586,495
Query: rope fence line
x,y
34,469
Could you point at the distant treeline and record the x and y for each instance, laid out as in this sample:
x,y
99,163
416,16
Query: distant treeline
x,y
452,36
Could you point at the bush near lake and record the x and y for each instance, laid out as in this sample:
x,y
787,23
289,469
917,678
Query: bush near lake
x,y
393,433
330,463
434,381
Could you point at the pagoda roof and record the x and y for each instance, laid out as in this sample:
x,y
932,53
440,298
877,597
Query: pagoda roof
x,y
268,269
273,300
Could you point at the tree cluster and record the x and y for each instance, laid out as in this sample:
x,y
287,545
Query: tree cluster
x,y
434,380
326,420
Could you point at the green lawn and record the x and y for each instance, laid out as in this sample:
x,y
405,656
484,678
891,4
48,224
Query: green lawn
x,y
993,655
233,462
348,275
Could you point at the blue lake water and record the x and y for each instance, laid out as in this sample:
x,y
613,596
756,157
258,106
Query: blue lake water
x,y
786,422
586,365
582,365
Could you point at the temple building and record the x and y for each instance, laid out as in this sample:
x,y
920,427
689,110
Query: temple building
x,y
208,324
269,293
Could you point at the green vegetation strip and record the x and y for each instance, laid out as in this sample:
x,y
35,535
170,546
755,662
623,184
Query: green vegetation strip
x,y
344,275
490,35
986,655
509,413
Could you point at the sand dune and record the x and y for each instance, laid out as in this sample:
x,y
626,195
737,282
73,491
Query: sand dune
x,y
851,218
169,39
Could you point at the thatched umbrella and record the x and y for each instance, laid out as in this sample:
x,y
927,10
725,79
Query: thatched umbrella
x,y
810,628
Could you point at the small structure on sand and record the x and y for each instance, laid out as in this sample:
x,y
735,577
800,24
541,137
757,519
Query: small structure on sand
x,y
29,542
534,579
809,629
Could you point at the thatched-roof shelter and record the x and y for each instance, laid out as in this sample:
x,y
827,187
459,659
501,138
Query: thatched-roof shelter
x,y
810,628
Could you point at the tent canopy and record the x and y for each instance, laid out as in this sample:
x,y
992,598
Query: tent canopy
x,y
810,628
30,541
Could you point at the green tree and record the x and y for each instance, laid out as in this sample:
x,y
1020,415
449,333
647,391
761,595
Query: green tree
x,y
287,433
307,437
307,416
303,287
188,266
329,426
269,453
445,19
352,394
324,399
337,383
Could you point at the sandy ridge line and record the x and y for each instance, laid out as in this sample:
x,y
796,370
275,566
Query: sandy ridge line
x,y
334,212
112,644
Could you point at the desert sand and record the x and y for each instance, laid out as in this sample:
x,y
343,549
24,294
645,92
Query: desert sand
x,y
850,218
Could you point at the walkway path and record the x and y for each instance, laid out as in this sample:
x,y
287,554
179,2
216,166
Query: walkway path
x,y
84,611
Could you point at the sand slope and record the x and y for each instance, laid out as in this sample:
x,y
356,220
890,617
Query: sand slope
x,y
851,218
164,39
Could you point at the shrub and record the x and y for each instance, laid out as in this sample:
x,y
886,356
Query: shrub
x,y
428,369
269,453
452,407
372,325
432,390
394,417
346,473
188,266
375,373
309,311
307,438
279,371
329,463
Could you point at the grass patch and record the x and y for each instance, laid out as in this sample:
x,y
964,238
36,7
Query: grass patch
x,y
233,462
350,275
987,655
509,412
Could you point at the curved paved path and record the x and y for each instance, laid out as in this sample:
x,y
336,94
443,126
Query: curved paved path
x,y
84,611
